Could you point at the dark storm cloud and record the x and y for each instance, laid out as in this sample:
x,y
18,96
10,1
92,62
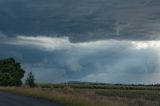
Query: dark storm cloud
x,y
61,40
83,20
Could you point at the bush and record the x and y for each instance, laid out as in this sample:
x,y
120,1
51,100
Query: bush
x,y
30,80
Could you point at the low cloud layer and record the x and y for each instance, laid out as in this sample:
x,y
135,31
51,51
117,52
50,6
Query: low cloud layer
x,y
110,61
81,21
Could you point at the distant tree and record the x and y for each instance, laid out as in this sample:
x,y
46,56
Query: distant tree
x,y
11,72
30,79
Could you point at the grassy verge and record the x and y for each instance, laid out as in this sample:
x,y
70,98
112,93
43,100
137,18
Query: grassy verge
x,y
91,97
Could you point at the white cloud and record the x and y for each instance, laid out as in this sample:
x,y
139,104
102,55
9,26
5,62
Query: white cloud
x,y
146,44
46,43
54,43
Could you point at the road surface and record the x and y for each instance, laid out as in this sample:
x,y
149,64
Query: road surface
x,y
10,99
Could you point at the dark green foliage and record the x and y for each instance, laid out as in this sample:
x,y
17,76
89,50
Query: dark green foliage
x,y
30,80
11,72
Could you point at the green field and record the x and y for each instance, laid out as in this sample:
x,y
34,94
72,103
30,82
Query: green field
x,y
93,95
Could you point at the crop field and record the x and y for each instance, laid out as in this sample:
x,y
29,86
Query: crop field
x,y
93,95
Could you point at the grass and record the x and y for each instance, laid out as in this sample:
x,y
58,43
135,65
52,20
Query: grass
x,y
91,97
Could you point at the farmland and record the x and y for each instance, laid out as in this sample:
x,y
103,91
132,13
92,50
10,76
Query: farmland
x,y
93,94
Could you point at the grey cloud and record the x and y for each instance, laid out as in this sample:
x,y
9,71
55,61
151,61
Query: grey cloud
x,y
83,20
113,64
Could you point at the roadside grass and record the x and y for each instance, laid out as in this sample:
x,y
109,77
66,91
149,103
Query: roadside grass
x,y
91,97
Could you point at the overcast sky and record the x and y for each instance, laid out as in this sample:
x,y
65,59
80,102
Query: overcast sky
x,y
112,41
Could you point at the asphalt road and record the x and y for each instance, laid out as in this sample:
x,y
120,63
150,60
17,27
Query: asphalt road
x,y
10,99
